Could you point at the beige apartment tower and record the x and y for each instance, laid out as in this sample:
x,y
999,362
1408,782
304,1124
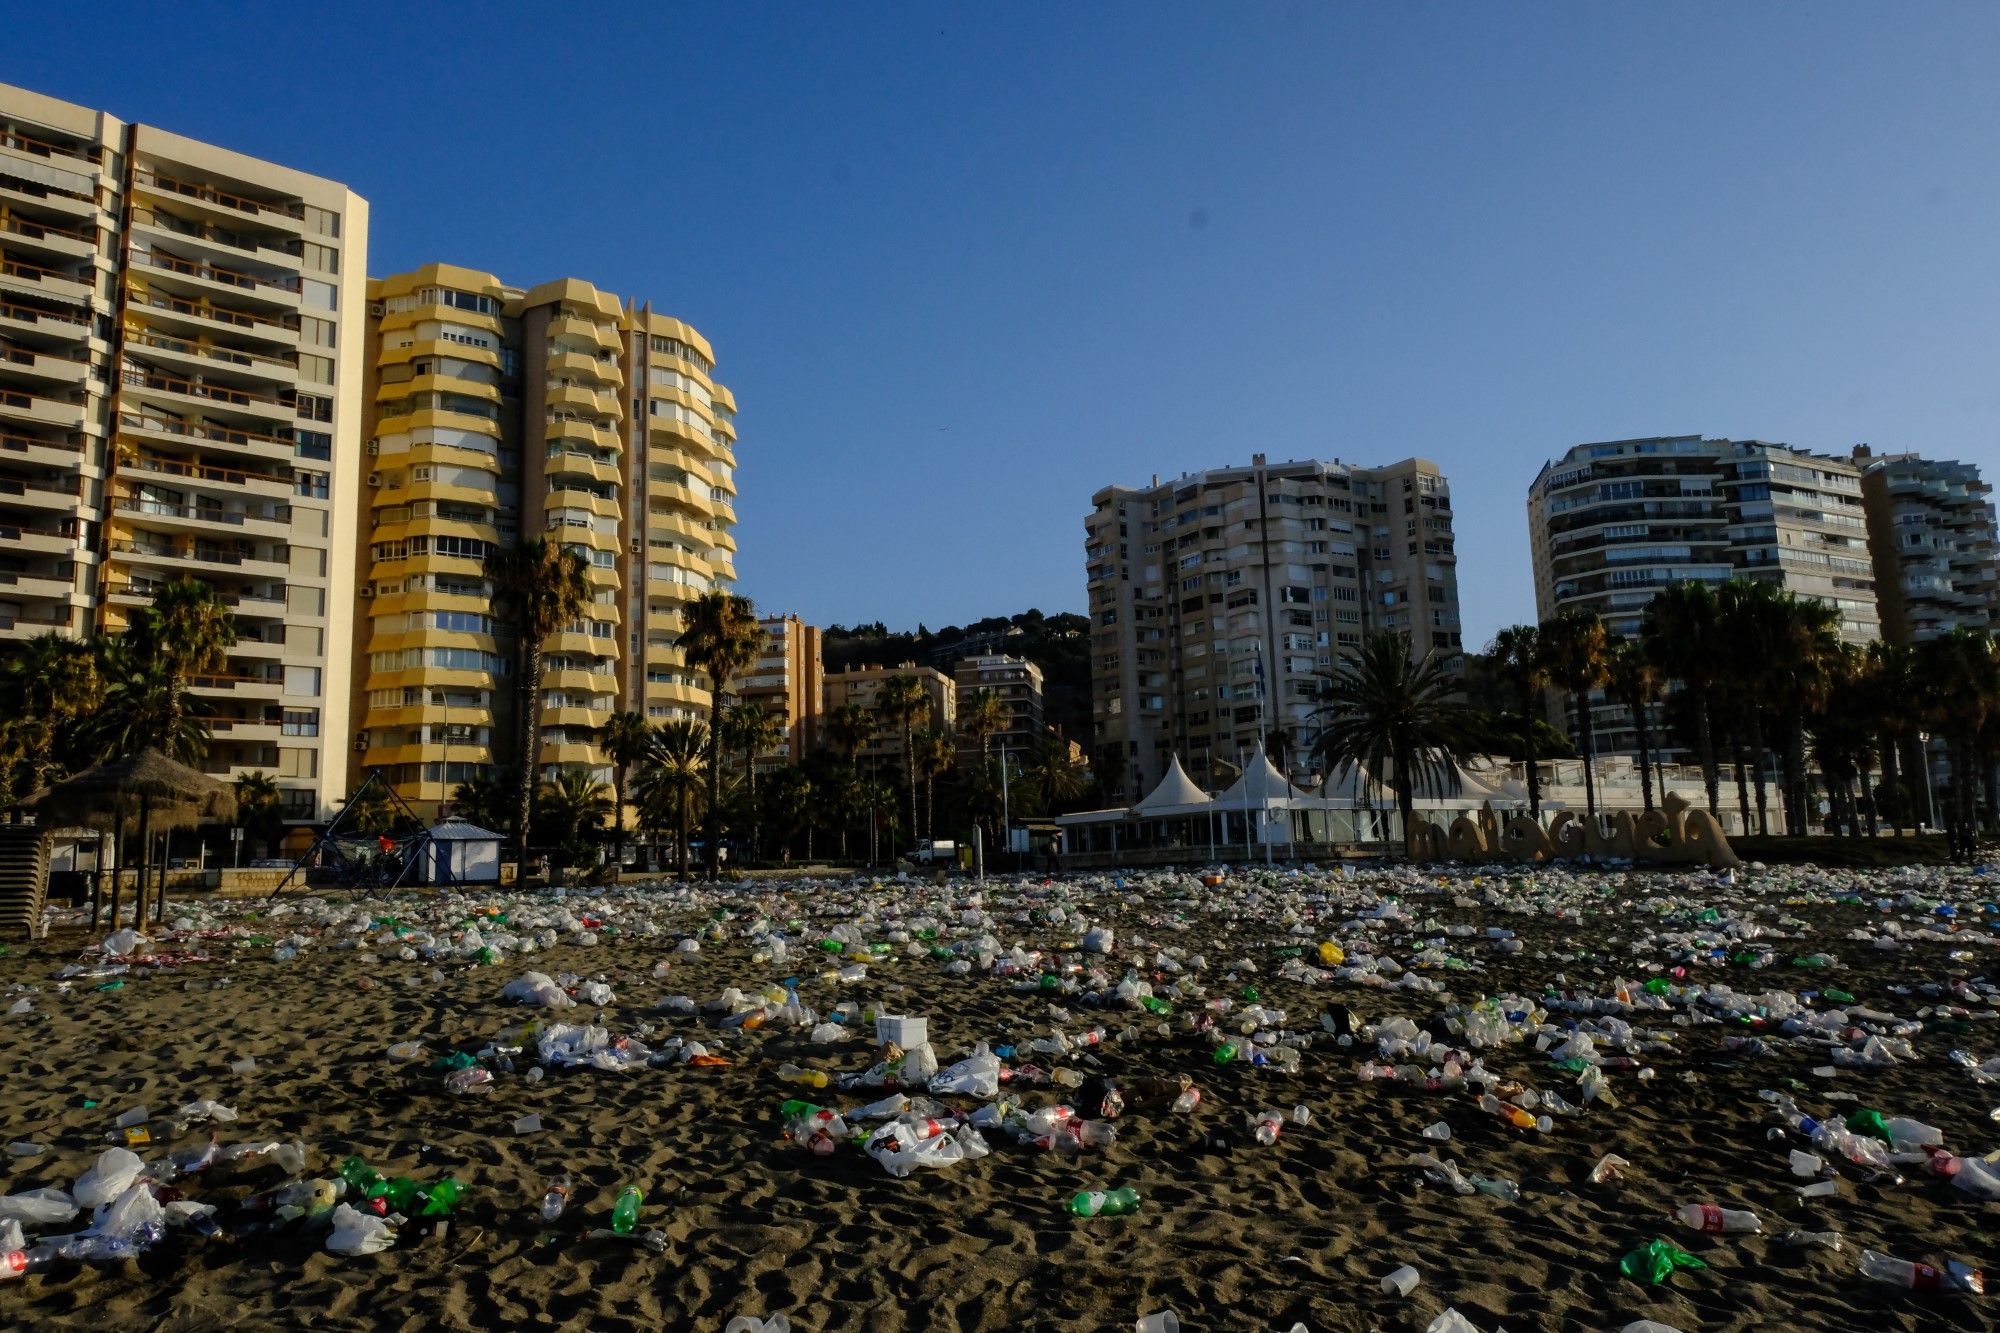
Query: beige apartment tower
x,y
499,412
863,686
1931,534
1017,684
1216,599
181,369
788,680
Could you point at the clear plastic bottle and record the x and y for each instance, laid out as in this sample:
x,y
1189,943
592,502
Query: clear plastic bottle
x,y
1954,1276
1710,1217
811,1078
1188,1100
1267,1126
556,1199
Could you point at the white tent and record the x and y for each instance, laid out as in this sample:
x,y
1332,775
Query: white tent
x,y
1176,794
1262,787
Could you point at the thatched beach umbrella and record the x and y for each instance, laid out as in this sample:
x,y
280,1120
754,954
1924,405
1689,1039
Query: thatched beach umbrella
x,y
164,793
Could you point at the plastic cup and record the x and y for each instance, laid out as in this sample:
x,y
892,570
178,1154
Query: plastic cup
x,y
1401,1282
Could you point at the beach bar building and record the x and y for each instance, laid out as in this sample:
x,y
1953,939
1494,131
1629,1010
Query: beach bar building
x,y
458,852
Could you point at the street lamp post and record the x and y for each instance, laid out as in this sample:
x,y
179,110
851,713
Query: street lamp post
x,y
1930,792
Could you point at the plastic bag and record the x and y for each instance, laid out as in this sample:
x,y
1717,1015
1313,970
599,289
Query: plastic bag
x,y
40,1208
1655,1261
978,1075
536,988
356,1233
132,1212
119,943
1099,940
744,1323
111,1175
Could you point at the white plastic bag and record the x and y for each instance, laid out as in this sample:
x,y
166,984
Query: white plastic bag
x,y
978,1075
110,1176
132,1210
40,1208
356,1233
536,988
744,1323
119,943
1099,939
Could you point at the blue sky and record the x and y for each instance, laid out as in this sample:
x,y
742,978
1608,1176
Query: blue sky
x,y
965,265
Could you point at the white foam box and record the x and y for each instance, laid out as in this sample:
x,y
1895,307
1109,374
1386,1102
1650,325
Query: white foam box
x,y
905,1032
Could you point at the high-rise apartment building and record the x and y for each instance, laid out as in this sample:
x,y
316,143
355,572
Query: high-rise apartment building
x,y
788,680
1017,684
1613,523
863,686
1217,599
497,413
181,333
1931,533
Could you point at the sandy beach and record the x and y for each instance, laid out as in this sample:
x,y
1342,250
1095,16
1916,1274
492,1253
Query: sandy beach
x,y
1231,1233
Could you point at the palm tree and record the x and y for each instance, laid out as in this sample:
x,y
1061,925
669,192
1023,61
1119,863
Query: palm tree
x,y
1806,655
847,728
1960,671
1682,635
753,729
1842,736
930,757
545,586
189,630
721,637
981,716
625,737
257,808
900,702
1754,619
792,799
143,705
1051,775
1386,714
1634,681
1574,647
572,806
670,780
487,799
49,683
1891,707
1517,660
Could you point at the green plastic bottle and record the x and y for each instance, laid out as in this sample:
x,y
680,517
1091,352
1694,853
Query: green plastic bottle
x,y
439,1198
1225,1052
360,1177
625,1216
399,1193
1104,1203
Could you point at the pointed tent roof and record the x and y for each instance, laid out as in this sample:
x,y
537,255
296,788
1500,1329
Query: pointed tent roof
x,y
1175,791
1262,786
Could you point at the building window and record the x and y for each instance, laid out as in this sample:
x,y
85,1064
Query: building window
x,y
301,722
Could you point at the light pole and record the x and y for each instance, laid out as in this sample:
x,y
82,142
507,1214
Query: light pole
x,y
1930,792
1006,809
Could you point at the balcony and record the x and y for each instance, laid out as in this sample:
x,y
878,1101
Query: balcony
x,y
20,405
67,284
57,453
266,684
198,353
76,241
202,474
207,432
58,368
194,518
59,496
206,316
175,388
175,557
281,213
22,625
201,275
71,322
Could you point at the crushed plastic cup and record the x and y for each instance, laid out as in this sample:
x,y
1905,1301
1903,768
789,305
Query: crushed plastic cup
x,y
1438,1133
528,1124
1401,1282
1163,1321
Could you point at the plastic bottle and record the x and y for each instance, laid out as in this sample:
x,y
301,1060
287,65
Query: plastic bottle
x,y
625,1215
556,1199
1188,1100
19,1263
439,1198
310,1195
1922,1277
1225,1052
1514,1115
1709,1217
1267,1126
1104,1203
811,1078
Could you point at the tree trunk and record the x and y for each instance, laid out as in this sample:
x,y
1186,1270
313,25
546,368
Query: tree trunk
x,y
1711,775
711,853
1588,736
1645,751
1758,751
531,732
145,862
910,768
1742,786
1795,763
618,818
1406,803
1899,801
1528,747
681,834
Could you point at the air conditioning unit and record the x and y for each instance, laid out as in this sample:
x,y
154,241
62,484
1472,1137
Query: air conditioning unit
x,y
367,592
377,309
361,746
374,448
374,479
638,546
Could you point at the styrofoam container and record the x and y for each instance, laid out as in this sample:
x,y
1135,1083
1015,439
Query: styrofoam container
x,y
905,1032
